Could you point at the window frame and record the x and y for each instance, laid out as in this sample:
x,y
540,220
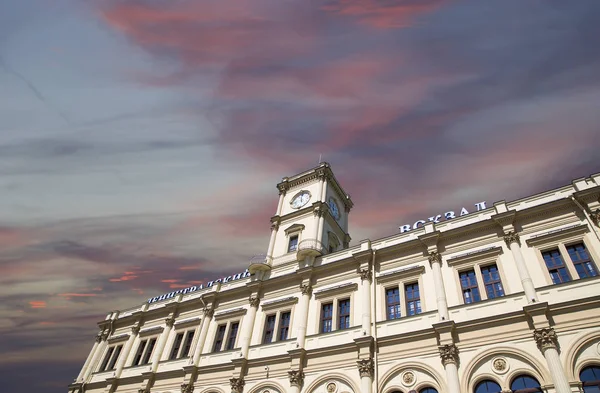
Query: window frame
x,y
476,261
185,340
276,307
335,295
400,279
560,239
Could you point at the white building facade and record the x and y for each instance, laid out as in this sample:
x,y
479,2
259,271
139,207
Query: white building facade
x,y
504,299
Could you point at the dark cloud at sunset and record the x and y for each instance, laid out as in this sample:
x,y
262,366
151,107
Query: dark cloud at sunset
x,y
183,115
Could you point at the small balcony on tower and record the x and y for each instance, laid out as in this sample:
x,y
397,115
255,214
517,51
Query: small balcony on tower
x,y
310,247
260,264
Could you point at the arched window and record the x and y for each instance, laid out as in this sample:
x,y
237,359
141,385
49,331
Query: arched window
x,y
428,390
487,386
590,376
525,384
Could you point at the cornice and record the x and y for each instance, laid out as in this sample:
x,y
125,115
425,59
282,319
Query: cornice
x,y
118,338
151,330
336,290
475,256
187,322
557,234
274,304
413,271
236,312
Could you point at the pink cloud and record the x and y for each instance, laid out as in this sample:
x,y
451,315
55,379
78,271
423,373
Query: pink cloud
x,y
37,304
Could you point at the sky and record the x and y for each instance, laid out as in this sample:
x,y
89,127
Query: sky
x,y
141,140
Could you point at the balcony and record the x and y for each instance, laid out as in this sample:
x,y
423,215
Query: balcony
x,y
260,263
310,247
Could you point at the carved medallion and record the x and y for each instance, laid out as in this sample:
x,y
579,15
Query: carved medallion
x,y
499,365
331,387
408,378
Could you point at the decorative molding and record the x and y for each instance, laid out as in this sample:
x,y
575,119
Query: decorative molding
x,y
399,274
254,301
556,235
296,378
595,216
365,367
471,258
288,301
170,321
187,321
208,312
294,228
135,329
236,312
237,385
435,256
151,330
511,237
187,387
118,338
337,290
545,338
449,354
306,289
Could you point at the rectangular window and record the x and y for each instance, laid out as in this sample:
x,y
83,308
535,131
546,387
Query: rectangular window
x,y
468,284
233,331
582,261
284,326
491,281
293,246
556,266
176,346
326,317
104,364
344,314
188,344
149,350
269,329
413,299
115,357
139,353
219,339
392,303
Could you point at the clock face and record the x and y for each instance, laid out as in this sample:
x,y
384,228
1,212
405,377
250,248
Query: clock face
x,y
333,207
300,199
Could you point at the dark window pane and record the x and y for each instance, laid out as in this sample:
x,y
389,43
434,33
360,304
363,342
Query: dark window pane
x,y
344,314
149,350
428,390
524,382
233,331
468,284
581,260
139,353
269,329
219,338
176,346
392,300
107,358
284,326
115,357
491,280
556,266
188,344
487,387
293,246
590,376
326,316
413,299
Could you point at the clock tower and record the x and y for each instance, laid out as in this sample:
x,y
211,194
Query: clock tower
x,y
311,220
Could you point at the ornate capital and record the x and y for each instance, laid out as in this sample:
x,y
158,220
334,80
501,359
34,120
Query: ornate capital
x,y
99,337
283,187
208,312
545,338
435,256
511,237
254,301
321,173
296,378
595,216
187,387
135,329
105,335
275,225
449,354
306,289
237,385
365,367
143,390
169,321
365,273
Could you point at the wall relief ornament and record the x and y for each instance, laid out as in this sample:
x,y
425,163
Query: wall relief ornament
x,y
435,256
135,329
331,387
499,365
365,273
545,338
449,354
237,385
306,289
187,388
296,377
365,367
511,237
170,321
208,312
595,216
408,378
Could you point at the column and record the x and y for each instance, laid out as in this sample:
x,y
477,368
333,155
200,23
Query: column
x,y
449,355
296,381
365,276
547,342
126,349
365,368
162,341
208,314
321,213
512,241
102,343
249,325
97,341
237,385
274,228
303,314
435,259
